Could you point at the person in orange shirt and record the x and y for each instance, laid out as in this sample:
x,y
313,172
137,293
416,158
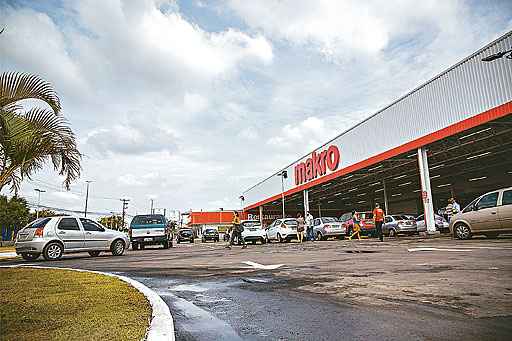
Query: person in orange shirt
x,y
378,219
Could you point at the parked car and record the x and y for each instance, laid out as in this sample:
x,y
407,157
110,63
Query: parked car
x,y
326,227
185,234
441,223
398,224
210,234
282,230
367,224
150,229
347,223
253,232
54,236
489,214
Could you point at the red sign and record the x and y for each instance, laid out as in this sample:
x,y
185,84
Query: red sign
x,y
317,165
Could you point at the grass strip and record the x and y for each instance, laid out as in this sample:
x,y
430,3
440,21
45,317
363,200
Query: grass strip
x,y
47,304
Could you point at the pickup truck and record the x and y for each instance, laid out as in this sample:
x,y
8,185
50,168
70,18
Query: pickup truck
x,y
150,229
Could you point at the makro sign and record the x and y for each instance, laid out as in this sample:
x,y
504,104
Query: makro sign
x,y
317,165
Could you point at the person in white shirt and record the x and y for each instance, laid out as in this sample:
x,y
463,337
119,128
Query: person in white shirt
x,y
309,223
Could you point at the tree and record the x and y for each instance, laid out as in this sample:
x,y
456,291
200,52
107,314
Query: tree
x,y
31,138
14,214
42,214
114,222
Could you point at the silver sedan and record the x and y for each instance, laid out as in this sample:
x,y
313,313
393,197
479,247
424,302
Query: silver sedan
x,y
54,236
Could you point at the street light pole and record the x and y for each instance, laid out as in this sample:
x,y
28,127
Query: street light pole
x,y
86,197
39,191
151,205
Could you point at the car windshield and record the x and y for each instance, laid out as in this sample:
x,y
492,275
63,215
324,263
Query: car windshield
x,y
398,217
251,223
147,220
186,231
291,222
329,220
211,231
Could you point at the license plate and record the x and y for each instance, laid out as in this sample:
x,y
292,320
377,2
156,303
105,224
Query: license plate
x,y
148,239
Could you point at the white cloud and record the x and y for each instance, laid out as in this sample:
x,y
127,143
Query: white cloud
x,y
304,136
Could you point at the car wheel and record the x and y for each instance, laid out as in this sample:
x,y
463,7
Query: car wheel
x,y
135,246
392,233
462,231
94,253
117,247
30,256
279,238
53,251
191,241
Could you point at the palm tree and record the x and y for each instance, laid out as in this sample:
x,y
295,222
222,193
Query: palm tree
x,y
30,138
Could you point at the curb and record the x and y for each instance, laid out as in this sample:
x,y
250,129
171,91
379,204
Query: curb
x,y
161,327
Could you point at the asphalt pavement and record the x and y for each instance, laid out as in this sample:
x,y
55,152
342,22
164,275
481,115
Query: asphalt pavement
x,y
402,289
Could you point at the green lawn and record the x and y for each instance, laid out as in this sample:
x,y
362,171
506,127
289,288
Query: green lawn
x,y
44,304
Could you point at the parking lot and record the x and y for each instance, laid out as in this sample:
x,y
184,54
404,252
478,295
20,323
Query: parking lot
x,y
403,288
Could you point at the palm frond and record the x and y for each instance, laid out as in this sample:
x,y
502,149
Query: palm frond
x,y
15,86
35,138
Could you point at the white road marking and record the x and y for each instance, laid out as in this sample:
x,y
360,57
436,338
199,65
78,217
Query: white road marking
x,y
8,254
263,267
482,247
436,249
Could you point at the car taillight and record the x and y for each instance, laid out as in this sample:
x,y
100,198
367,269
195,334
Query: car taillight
x,y
39,232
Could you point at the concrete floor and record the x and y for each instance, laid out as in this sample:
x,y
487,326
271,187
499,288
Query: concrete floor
x,y
404,288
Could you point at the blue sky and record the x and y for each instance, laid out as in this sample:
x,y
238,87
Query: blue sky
x,y
191,102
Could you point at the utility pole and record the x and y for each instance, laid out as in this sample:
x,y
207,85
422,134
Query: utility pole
x,y
125,206
151,206
86,197
39,191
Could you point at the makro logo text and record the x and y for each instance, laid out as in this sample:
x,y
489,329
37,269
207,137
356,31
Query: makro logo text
x,y
317,165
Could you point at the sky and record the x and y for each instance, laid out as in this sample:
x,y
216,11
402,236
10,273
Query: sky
x,y
189,103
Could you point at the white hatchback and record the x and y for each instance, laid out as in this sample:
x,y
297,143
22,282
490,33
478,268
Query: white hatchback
x,y
282,230
253,232
54,236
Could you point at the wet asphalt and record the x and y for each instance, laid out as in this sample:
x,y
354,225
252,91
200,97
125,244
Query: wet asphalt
x,y
261,308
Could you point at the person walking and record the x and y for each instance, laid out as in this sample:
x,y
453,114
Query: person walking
x,y
309,223
378,219
356,226
236,232
300,228
449,210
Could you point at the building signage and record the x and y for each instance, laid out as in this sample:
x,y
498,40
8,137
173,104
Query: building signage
x,y
317,165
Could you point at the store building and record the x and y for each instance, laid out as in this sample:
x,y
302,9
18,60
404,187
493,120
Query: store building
x,y
452,136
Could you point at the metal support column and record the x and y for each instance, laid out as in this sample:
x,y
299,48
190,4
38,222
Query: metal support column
x,y
261,215
385,197
306,202
426,191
